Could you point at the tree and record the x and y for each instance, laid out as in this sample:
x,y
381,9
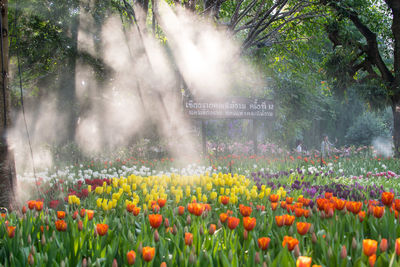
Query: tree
x,y
366,43
7,167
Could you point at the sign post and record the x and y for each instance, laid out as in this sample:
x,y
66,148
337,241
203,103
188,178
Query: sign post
x,y
230,108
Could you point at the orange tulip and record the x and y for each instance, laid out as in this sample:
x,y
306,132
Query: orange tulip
x,y
263,242
371,260
340,204
303,261
155,220
136,211
249,223
31,204
155,208
102,229
298,212
11,231
188,239
130,207
23,209
289,200
280,220
131,257
61,225
306,213
82,213
60,214
379,211
328,195
148,253
321,203
397,246
355,207
245,210
290,242
369,247
397,204
225,200
90,214
361,215
39,205
181,210
289,219
274,205
161,202
80,225
233,222
283,204
274,198
387,198
198,209
303,227
384,245
223,217
212,229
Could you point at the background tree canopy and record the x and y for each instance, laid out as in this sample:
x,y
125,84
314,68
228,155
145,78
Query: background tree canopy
x,y
331,66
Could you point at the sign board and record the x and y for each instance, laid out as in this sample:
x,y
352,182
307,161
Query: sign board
x,y
230,108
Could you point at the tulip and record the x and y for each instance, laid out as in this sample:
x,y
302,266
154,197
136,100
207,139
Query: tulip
x,y
31,260
245,210
131,257
263,243
257,258
156,236
274,205
166,223
23,209
289,219
188,220
249,223
274,198
224,200
163,264
136,211
115,263
384,245
223,217
397,204
298,212
31,204
303,227
155,220
343,252
233,222
61,225
303,261
378,211
82,213
361,216
387,198
80,225
289,200
90,214
397,246
188,239
148,253
369,247
290,242
11,231
60,214
75,215
211,229
101,229
280,220
39,205
371,260
181,210
198,209
161,202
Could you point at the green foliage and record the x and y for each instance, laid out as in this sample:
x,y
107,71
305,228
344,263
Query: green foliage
x,y
367,127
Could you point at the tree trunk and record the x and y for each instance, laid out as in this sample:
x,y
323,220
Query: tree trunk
x,y
7,165
396,128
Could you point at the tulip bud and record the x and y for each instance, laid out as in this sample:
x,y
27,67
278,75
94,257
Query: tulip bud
x,y
62,264
384,245
322,214
336,236
174,230
311,228
47,220
185,229
188,220
245,234
296,251
32,250
211,229
11,258
115,263
166,223
89,262
95,233
204,214
201,231
314,238
330,253
328,237
219,224
98,263
45,258
43,240
140,248
265,264
290,232
163,264
192,258
343,252
156,236
230,255
354,243
84,262
31,260
257,258
130,236
29,239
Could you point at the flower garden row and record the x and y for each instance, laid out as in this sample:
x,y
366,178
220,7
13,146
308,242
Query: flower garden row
x,y
205,220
